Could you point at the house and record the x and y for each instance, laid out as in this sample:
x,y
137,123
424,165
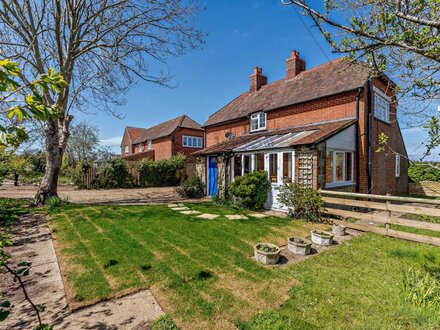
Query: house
x,y
317,126
180,135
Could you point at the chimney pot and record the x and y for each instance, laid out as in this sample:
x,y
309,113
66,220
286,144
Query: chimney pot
x,y
257,79
294,65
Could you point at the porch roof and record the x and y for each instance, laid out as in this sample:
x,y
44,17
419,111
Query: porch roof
x,y
282,138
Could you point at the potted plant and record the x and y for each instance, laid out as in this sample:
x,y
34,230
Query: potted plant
x,y
322,237
338,230
267,253
298,245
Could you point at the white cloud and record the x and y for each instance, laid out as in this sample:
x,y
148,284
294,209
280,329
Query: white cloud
x,y
111,141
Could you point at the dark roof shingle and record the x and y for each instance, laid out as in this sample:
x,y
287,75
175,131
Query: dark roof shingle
x,y
331,78
139,135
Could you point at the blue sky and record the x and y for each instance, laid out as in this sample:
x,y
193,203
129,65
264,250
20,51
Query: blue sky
x,y
241,35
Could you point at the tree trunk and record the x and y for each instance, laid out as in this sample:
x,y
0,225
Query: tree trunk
x,y
56,133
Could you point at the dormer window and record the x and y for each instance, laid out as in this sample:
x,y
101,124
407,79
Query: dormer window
x,y
140,147
258,121
149,145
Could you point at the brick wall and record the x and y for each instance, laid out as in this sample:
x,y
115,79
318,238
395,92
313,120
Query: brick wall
x,y
162,148
126,141
330,108
178,142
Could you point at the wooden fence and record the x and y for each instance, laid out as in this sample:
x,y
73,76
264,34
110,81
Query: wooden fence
x,y
388,210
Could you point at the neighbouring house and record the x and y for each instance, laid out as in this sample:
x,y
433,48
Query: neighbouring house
x,y
317,126
180,135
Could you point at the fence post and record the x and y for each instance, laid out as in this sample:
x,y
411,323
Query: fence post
x,y
388,221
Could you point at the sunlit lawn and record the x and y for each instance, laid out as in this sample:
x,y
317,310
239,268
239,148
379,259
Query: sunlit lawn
x,y
202,274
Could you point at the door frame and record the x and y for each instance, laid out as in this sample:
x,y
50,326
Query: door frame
x,y
208,176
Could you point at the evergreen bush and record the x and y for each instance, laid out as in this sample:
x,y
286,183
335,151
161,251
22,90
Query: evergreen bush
x,y
250,191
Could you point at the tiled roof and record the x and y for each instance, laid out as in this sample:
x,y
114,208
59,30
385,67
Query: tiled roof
x,y
328,79
139,135
315,133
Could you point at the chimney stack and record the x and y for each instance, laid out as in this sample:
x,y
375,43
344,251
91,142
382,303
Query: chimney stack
x,y
294,65
257,80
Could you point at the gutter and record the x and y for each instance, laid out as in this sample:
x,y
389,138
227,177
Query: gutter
x,y
357,141
370,134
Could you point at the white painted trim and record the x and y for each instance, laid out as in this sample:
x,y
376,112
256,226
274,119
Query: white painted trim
x,y
382,94
293,166
253,162
192,136
232,168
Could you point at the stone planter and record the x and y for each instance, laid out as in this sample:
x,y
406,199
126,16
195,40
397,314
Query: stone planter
x,y
338,230
322,237
298,245
266,253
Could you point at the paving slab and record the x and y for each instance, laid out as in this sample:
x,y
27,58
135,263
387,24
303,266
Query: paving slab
x,y
236,217
208,216
180,208
33,243
190,212
257,215
173,205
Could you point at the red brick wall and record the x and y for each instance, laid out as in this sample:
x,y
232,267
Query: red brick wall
x,y
162,148
383,163
126,141
330,108
178,141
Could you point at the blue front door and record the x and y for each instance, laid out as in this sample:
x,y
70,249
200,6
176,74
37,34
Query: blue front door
x,y
213,174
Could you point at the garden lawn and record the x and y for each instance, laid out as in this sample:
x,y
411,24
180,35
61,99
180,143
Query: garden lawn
x,y
202,273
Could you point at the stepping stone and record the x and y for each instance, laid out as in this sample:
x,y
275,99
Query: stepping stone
x,y
190,212
181,205
236,217
208,216
257,215
183,208
173,205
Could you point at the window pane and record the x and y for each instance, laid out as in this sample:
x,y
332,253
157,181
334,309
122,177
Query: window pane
x,y
262,120
339,165
273,167
259,162
287,167
237,165
254,123
199,142
185,141
247,164
348,166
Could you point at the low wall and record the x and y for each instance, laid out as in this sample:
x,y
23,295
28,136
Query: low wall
x,y
426,188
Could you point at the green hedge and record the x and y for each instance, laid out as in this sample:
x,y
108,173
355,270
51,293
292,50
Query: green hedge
x,y
161,173
250,191
422,171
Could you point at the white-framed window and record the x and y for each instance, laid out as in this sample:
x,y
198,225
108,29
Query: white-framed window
x,y
140,147
381,106
192,141
341,167
126,149
258,121
397,170
149,144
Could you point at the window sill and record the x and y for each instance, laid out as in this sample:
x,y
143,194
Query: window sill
x,y
257,130
339,184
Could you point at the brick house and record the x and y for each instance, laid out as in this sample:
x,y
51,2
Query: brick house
x,y
318,126
180,135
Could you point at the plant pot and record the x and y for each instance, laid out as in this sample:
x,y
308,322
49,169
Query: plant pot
x,y
267,253
322,237
298,245
338,230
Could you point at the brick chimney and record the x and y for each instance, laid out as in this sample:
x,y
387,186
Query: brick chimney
x,y
294,65
257,80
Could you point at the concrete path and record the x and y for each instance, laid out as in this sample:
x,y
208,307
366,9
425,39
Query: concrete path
x,y
33,242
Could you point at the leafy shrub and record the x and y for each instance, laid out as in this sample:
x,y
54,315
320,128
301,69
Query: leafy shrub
x,y
421,289
114,175
422,171
161,173
250,191
303,203
192,188
223,200
79,174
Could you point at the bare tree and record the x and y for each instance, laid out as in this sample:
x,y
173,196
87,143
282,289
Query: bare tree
x,y
399,37
100,47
